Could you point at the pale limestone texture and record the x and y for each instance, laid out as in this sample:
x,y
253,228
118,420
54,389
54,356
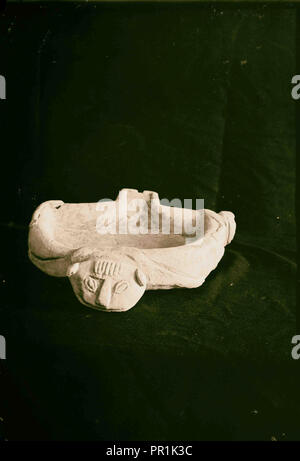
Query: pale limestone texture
x,y
112,272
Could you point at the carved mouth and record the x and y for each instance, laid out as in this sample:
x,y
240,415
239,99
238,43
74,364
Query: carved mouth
x,y
102,308
99,307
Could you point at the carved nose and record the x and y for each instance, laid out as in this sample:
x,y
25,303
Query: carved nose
x,y
104,296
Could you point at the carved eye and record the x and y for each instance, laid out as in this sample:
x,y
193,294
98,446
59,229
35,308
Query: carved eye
x,y
91,284
121,286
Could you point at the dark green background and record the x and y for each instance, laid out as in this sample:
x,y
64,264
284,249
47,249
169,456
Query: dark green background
x,y
192,101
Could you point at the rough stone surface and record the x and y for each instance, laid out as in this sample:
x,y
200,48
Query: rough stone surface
x,y
111,272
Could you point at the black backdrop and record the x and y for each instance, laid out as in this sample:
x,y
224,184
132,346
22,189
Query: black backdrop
x,y
192,101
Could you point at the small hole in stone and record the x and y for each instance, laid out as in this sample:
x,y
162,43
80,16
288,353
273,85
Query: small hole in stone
x,y
58,206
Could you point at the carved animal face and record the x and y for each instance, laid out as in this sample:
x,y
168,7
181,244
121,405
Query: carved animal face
x,y
107,284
